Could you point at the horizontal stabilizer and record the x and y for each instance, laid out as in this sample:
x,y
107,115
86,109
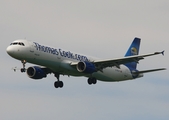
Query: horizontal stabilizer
x,y
146,71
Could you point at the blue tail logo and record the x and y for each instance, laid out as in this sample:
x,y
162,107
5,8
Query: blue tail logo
x,y
133,50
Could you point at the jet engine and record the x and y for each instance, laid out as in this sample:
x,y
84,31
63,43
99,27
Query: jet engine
x,y
86,67
36,72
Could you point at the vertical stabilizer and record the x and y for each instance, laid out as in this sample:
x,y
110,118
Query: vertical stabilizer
x,y
133,50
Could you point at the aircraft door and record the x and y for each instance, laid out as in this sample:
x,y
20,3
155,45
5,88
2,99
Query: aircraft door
x,y
33,51
31,48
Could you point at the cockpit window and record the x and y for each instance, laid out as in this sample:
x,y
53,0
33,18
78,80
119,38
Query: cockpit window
x,y
22,44
18,43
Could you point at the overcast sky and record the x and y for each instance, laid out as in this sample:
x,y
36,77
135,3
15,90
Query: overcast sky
x,y
100,28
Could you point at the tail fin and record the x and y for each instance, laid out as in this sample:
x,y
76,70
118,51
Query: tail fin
x,y
133,50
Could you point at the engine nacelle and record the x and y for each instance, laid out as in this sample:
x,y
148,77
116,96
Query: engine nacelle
x,y
86,67
36,72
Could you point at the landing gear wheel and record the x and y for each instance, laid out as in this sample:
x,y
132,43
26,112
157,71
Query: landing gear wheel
x,y
89,81
92,81
58,84
23,70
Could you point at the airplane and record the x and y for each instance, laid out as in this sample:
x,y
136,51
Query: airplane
x,y
64,62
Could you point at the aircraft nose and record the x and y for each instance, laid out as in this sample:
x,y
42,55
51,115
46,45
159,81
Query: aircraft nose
x,y
9,50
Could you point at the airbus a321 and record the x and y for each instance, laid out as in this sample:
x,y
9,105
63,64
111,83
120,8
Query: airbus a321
x,y
65,62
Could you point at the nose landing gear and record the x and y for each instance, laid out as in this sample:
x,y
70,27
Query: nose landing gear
x,y
23,63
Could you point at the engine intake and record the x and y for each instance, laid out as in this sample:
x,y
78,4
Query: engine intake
x,y
86,67
36,72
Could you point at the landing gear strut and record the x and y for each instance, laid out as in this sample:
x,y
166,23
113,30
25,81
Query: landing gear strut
x,y
92,80
23,63
58,83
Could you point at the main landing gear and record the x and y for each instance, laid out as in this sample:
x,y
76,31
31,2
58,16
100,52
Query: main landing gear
x,y
23,63
92,80
58,83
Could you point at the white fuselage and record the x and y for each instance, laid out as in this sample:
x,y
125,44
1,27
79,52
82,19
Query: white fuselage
x,y
59,61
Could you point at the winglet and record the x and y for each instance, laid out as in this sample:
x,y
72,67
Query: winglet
x,y
162,52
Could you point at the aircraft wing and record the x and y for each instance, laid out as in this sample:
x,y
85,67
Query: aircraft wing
x,y
146,71
100,64
118,61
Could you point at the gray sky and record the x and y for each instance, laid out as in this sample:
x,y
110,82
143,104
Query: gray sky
x,y
100,28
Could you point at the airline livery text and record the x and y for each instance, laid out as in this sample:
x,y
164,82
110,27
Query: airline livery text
x,y
60,52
